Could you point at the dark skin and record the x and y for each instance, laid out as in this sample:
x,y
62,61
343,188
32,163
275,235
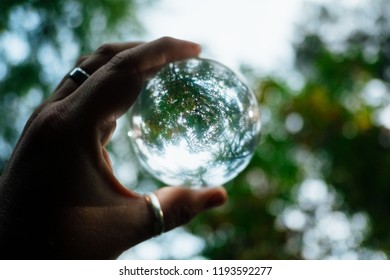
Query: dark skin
x,y
59,197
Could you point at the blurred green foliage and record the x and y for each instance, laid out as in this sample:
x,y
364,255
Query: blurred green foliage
x,y
40,41
318,184
324,129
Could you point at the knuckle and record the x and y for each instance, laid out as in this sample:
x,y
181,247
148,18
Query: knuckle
x,y
129,62
52,120
118,59
166,40
81,59
106,49
49,119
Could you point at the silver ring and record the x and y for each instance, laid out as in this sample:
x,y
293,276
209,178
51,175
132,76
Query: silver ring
x,y
158,214
78,75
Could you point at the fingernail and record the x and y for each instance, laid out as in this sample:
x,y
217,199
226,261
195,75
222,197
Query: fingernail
x,y
197,47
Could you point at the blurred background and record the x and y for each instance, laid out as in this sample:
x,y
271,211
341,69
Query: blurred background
x,y
319,183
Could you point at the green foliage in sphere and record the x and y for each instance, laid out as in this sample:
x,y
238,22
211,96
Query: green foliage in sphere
x,y
195,123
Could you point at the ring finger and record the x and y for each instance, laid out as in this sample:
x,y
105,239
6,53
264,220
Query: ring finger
x,y
90,64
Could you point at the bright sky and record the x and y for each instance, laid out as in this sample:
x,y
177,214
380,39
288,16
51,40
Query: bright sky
x,y
255,32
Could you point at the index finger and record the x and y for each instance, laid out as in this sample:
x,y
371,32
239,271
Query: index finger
x,y
114,87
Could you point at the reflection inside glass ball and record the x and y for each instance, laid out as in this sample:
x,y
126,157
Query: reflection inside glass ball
x,y
195,124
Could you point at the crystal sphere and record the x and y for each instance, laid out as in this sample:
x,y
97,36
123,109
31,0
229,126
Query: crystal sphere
x,y
195,123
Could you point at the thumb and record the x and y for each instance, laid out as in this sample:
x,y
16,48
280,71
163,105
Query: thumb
x,y
135,219
180,204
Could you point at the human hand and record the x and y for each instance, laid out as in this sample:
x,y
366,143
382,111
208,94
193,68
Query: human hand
x,y
59,197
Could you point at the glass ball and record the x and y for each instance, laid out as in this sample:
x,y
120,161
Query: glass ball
x,y
195,123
